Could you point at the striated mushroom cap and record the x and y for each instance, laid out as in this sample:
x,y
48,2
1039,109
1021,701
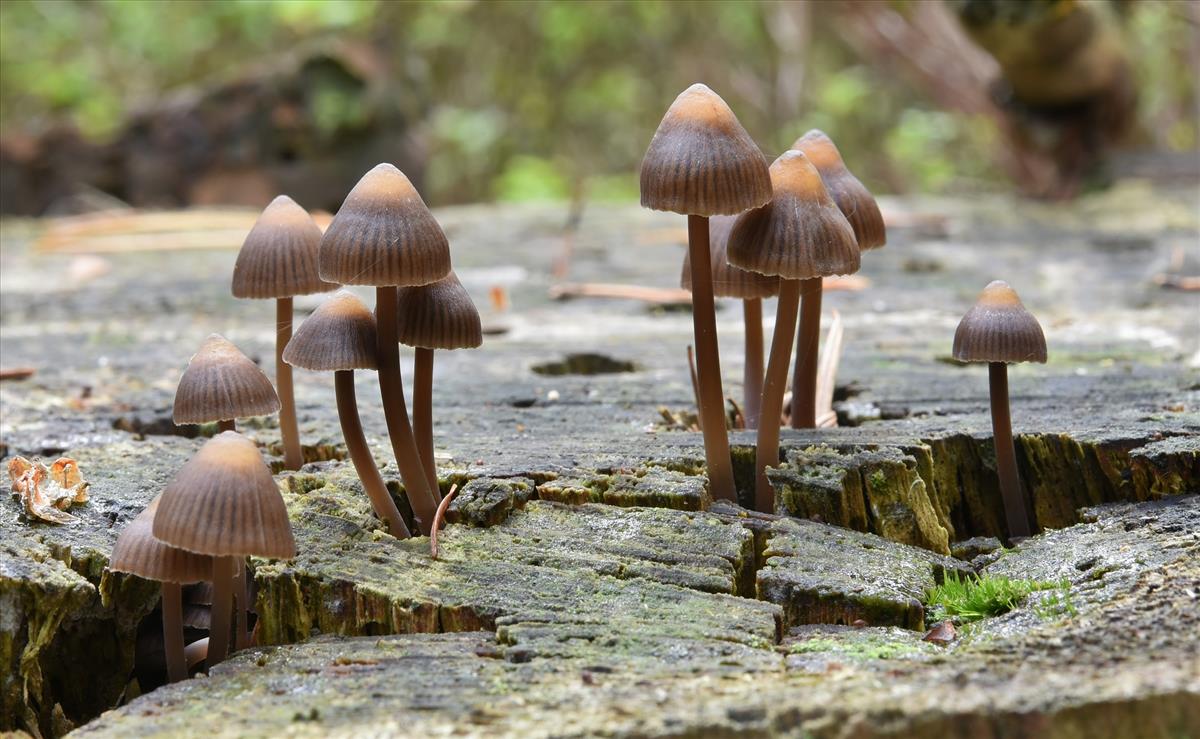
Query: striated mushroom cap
x,y
224,503
729,281
137,552
701,161
279,256
440,315
851,195
339,335
998,328
220,384
800,234
384,235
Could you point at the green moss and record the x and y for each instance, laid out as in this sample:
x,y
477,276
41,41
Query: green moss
x,y
883,644
967,599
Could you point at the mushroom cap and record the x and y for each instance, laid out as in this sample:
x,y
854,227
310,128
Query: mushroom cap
x,y
220,383
701,161
439,315
225,503
729,281
137,552
800,234
384,235
279,256
339,335
998,328
851,195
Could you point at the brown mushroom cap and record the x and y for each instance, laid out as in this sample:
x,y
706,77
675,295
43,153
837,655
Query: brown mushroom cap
x,y
137,552
998,328
851,195
440,315
279,256
220,384
384,235
701,161
339,335
729,281
800,234
225,503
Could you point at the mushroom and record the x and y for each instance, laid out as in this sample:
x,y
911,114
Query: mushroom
x,y
279,260
340,337
999,330
439,315
383,235
701,163
799,235
751,287
221,384
224,503
137,552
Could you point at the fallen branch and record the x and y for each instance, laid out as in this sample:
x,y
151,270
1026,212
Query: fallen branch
x,y
670,295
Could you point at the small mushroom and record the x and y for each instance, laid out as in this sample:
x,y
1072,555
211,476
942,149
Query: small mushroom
x,y
999,330
279,260
224,503
222,384
340,337
701,163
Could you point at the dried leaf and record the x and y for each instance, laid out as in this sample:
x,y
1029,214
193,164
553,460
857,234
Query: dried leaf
x,y
47,492
942,634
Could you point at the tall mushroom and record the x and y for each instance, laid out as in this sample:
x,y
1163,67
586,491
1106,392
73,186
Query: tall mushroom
x,y
340,337
384,236
224,503
751,288
221,384
137,552
701,163
800,235
279,260
999,330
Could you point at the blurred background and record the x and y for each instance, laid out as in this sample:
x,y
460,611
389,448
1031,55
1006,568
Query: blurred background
x,y
163,104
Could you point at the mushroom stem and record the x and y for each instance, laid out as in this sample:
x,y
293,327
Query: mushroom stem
x,y
808,338
708,364
241,597
360,455
1006,452
423,414
230,425
172,618
752,374
196,652
293,457
767,452
404,445
222,609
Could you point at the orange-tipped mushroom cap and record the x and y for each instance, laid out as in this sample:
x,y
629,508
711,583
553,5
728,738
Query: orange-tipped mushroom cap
x,y
438,316
137,552
851,196
998,328
220,384
800,234
279,256
225,503
339,335
384,235
701,161
729,281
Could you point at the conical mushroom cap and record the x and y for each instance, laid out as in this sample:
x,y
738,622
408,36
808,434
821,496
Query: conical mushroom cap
x,y
220,384
701,161
800,234
729,281
279,256
224,503
999,329
851,196
438,316
384,235
139,553
339,335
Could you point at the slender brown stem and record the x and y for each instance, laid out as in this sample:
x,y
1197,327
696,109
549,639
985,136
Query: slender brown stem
x,y
423,414
196,652
752,375
767,452
437,520
293,457
691,355
241,598
808,340
360,455
708,364
404,444
222,610
1006,452
172,618
230,425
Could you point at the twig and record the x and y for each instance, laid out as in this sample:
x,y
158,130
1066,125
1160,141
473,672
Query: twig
x,y
17,373
437,520
691,355
670,295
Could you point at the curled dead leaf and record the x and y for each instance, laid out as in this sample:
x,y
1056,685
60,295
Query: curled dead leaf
x,y
47,492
